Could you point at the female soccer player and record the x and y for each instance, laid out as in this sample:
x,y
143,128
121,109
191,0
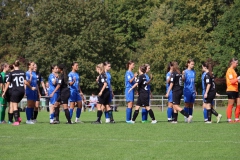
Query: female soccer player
x,y
103,95
39,82
232,90
210,92
107,67
17,80
52,81
189,90
63,86
170,104
143,98
32,96
75,92
177,91
3,102
129,82
144,111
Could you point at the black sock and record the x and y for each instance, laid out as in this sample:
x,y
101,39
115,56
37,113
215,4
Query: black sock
x,y
67,114
110,115
18,112
184,113
151,114
35,114
10,117
99,115
209,114
135,114
214,112
175,117
15,114
56,113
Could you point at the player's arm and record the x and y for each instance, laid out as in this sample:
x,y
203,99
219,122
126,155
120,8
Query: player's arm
x,y
150,79
172,78
44,87
132,79
208,82
71,80
136,84
28,85
104,86
183,76
231,79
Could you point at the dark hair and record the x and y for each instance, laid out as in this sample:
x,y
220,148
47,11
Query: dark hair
x,y
73,63
65,76
189,61
143,68
232,60
16,63
209,67
11,67
3,65
170,64
106,63
29,63
129,62
52,67
176,67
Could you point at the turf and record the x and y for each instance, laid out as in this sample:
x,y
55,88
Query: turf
x,y
120,141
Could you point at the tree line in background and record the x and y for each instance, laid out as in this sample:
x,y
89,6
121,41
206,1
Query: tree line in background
x,y
146,31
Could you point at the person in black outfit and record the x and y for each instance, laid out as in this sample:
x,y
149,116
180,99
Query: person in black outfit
x,y
177,91
143,98
64,94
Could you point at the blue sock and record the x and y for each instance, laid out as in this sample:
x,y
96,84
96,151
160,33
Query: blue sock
x,y
31,112
186,109
144,114
190,111
169,113
147,115
78,113
128,114
106,114
205,113
71,113
27,113
52,116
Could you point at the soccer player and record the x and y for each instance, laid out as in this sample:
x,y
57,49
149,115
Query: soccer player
x,y
203,92
129,82
189,90
177,91
63,86
52,81
32,95
210,92
103,95
75,92
107,67
39,82
17,80
232,90
143,98
170,104
144,111
3,102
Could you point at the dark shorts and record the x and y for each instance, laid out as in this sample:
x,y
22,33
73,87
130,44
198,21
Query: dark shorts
x,y
38,99
232,94
210,97
16,96
8,95
64,96
143,100
104,98
176,97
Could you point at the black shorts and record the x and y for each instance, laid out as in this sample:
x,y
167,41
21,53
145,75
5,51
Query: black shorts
x,y
143,100
210,97
104,98
7,95
16,96
176,97
232,94
64,96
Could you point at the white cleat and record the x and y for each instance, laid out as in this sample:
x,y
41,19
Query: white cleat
x,y
208,122
107,120
219,118
174,122
189,119
130,122
29,122
185,119
34,121
154,121
78,121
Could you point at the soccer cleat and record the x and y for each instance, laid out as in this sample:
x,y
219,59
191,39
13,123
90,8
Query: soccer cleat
x,y
19,119
96,122
16,124
112,121
34,121
169,120
237,121
231,121
78,121
3,122
107,120
189,119
56,122
219,118
146,121
29,122
208,122
131,122
174,122
185,119
154,122
9,122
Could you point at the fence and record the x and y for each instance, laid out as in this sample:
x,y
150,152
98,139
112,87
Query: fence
x,y
157,101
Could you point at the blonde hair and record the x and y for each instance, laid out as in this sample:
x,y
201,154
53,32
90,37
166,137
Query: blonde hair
x,y
101,67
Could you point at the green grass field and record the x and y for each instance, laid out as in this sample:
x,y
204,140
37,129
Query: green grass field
x,y
120,141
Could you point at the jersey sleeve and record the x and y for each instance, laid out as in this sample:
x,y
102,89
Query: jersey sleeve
x,y
70,78
230,75
60,80
207,79
10,77
172,77
139,79
27,76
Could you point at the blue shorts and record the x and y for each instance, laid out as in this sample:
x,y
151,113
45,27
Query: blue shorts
x,y
75,96
32,95
54,98
129,96
189,97
170,100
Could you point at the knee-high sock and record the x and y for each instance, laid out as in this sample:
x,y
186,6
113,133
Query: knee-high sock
x,y
229,111
67,114
184,113
209,115
78,112
144,114
135,114
15,114
169,113
71,112
186,109
237,112
205,113
56,113
151,114
128,114
213,111
99,115
190,111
